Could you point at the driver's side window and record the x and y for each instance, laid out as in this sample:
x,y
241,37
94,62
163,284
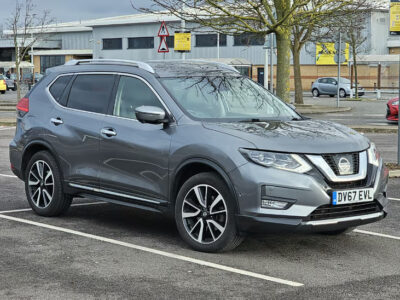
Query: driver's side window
x,y
132,93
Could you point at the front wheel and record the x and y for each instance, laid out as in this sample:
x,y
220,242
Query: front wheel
x,y
342,93
204,214
43,186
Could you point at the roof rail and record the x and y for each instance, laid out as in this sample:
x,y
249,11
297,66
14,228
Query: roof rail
x,y
188,61
123,62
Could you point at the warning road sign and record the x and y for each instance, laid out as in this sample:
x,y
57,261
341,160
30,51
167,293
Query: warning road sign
x,y
163,48
163,31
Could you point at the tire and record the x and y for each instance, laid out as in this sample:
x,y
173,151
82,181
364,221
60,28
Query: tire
x,y
43,186
342,93
338,232
14,88
315,93
3,92
215,220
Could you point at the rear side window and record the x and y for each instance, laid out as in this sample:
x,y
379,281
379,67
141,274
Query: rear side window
x,y
58,87
91,93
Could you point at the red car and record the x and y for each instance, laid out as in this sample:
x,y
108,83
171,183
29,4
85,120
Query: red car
x,y
392,113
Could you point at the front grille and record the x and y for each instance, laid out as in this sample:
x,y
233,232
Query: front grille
x,y
339,211
348,185
333,159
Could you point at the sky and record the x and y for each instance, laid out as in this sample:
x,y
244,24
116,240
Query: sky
x,y
75,10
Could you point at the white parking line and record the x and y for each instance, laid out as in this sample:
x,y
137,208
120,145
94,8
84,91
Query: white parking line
x,y
394,199
393,237
10,176
29,209
158,252
7,128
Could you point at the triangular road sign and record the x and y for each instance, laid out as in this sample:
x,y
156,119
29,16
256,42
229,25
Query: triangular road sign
x,y
163,48
163,31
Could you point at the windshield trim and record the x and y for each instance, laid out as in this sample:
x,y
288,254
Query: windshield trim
x,y
227,120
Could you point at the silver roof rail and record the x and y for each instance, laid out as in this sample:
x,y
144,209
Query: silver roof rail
x,y
132,63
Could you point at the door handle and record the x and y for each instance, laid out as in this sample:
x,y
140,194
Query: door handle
x,y
108,132
56,121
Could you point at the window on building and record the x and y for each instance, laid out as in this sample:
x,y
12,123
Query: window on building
x,y
248,39
91,93
210,40
132,93
170,41
49,61
141,43
112,44
58,87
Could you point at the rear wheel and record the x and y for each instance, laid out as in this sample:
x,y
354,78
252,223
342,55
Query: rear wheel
x,y
3,92
43,186
315,93
204,214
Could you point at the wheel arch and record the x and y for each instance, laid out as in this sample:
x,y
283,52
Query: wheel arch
x,y
195,166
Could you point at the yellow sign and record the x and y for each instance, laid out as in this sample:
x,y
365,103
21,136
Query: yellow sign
x,y
325,53
183,41
394,16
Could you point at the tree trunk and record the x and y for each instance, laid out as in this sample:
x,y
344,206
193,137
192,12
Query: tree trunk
x,y
17,63
355,70
283,65
298,85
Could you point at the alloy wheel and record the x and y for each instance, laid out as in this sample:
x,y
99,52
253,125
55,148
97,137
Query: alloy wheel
x,y
204,214
41,184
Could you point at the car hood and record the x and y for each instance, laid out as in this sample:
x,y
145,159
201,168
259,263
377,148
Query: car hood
x,y
306,136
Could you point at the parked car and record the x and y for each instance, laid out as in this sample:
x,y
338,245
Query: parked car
x,y
3,84
392,112
11,82
194,140
28,78
328,86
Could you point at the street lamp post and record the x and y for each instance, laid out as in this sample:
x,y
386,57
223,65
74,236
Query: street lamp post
x,y
398,123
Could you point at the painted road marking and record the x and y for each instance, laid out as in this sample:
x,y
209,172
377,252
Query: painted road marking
x,y
29,209
394,199
10,176
158,252
393,237
6,128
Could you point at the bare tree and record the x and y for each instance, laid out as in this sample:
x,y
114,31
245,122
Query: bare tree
x,y
27,28
260,17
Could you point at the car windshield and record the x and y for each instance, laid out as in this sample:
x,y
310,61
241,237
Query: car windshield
x,y
344,80
223,98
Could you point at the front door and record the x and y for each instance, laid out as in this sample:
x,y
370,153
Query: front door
x,y
134,156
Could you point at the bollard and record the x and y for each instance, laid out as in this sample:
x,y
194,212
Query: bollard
x,y
378,94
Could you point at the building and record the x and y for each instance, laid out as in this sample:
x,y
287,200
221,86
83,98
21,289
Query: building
x,y
135,37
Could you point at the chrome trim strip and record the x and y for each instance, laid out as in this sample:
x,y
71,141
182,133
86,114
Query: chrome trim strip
x,y
323,166
88,188
106,73
345,219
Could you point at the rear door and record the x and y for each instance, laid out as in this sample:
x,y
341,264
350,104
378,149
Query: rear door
x,y
76,122
134,156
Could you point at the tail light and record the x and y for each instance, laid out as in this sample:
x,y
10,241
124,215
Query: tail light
x,y
3,81
23,105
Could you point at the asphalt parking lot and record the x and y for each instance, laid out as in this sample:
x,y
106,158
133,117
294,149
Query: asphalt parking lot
x,y
100,250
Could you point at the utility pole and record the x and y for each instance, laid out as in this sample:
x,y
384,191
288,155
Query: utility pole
x,y
338,77
266,47
183,25
218,37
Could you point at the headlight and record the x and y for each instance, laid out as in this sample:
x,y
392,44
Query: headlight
x,y
373,155
283,161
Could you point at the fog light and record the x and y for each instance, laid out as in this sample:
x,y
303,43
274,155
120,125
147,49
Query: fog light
x,y
274,204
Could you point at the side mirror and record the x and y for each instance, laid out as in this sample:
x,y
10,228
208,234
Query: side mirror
x,y
335,82
150,114
292,106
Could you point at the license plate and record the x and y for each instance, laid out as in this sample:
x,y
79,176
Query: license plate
x,y
352,196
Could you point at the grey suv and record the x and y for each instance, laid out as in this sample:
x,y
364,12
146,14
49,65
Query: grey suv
x,y
194,140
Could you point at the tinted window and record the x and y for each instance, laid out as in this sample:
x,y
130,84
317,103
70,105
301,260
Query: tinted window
x,y
91,93
210,40
331,81
249,39
141,43
132,93
112,44
58,87
323,80
49,61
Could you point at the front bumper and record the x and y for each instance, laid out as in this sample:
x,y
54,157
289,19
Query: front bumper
x,y
307,194
392,113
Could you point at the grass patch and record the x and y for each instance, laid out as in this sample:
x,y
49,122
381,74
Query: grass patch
x,y
7,124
